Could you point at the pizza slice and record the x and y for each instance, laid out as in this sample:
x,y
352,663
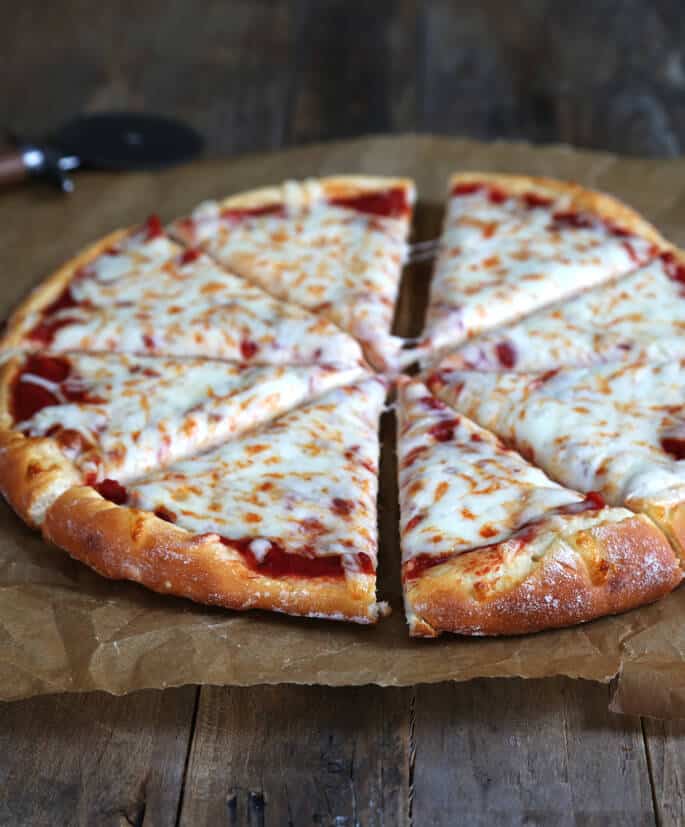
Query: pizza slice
x,y
616,429
138,291
282,518
512,244
640,317
334,245
71,418
490,545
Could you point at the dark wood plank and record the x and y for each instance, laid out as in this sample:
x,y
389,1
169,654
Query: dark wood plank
x,y
95,759
292,755
225,68
527,752
666,754
545,71
355,68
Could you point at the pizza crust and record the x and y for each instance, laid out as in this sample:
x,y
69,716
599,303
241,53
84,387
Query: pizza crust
x,y
608,568
338,186
123,543
582,199
24,317
33,470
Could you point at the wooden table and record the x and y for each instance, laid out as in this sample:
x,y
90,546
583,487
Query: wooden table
x,y
257,75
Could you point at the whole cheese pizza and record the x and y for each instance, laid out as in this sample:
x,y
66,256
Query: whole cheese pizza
x,y
197,409
491,545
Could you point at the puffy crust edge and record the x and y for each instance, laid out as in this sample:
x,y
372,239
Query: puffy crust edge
x,y
606,206
123,543
336,186
33,470
606,569
47,291
671,520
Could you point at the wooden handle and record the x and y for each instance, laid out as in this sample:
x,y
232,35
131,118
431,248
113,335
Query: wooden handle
x,y
12,167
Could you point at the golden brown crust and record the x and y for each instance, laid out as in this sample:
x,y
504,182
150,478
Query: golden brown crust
x,y
124,543
599,203
671,520
337,186
33,470
33,474
608,568
23,318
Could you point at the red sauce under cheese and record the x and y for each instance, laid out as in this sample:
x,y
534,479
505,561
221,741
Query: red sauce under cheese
x,y
153,228
253,212
248,349
27,398
279,563
190,255
534,201
674,268
444,431
506,354
675,446
415,567
433,403
391,203
112,490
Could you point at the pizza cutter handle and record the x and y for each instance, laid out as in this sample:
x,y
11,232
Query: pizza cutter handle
x,y
13,167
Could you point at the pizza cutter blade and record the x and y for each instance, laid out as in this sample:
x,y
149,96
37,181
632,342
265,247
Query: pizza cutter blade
x,y
104,140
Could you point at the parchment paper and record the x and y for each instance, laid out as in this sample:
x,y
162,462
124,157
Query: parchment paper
x,y
63,628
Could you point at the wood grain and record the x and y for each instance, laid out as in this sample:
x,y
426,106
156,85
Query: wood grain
x,y
527,752
299,755
94,759
354,72
665,742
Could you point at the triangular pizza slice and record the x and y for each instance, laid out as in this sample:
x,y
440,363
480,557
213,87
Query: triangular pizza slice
x,y
640,317
512,244
490,545
334,245
71,418
616,429
282,518
138,291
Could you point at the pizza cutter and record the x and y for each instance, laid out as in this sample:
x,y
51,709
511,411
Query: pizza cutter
x,y
103,140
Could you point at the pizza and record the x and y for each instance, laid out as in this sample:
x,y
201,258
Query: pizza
x,y
196,409
512,244
640,317
491,545
281,518
617,429
137,291
335,246
69,418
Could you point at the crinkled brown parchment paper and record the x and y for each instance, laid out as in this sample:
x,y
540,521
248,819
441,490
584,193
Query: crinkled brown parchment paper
x,y
63,628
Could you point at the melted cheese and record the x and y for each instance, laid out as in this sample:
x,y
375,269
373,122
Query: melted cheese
x,y
307,481
340,262
598,428
465,490
145,297
640,317
154,411
500,261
